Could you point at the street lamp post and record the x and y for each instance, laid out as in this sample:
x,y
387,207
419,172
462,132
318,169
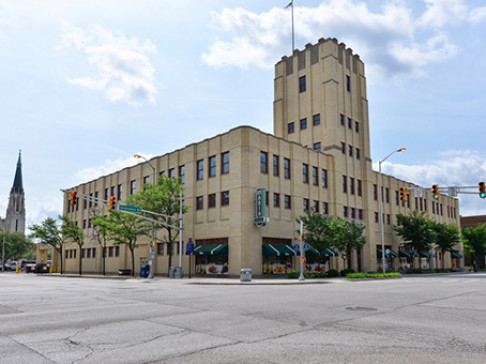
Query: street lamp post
x,y
152,242
381,207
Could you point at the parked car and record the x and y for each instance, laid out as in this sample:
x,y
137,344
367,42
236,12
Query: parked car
x,y
28,266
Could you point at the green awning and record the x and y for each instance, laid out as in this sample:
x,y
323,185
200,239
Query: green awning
x,y
221,249
456,255
329,252
312,252
406,254
388,253
269,250
427,255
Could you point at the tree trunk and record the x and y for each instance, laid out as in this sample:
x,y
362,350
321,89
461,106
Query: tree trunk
x,y
103,252
133,260
60,254
80,260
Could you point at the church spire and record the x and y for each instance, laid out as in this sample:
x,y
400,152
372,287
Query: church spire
x,y
17,185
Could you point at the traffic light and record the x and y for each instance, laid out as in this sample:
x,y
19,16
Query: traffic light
x,y
403,193
152,244
435,191
482,190
73,198
111,204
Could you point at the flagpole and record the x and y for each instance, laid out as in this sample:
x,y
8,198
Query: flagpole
x,y
293,39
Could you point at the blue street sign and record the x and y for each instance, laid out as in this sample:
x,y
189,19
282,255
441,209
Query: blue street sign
x,y
297,247
306,246
189,248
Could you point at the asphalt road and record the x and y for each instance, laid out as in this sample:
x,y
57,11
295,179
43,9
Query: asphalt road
x,y
430,319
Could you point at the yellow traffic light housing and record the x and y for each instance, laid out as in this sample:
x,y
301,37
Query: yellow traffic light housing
x,y
111,204
435,191
73,198
482,190
403,193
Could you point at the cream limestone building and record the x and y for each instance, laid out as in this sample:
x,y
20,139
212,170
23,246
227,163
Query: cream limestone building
x,y
318,158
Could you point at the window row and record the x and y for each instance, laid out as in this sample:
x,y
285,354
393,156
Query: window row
x,y
316,120
224,166
343,120
354,187
352,151
303,84
353,213
211,198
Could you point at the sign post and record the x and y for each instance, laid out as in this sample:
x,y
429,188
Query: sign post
x,y
190,250
302,253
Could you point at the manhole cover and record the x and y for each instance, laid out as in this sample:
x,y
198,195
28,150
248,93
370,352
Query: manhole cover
x,y
360,308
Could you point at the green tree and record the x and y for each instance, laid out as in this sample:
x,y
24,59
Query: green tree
x,y
71,231
474,239
17,245
416,231
126,229
49,233
446,237
349,237
320,231
101,231
163,199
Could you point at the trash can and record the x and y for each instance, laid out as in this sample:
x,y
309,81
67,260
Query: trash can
x,y
144,270
245,275
177,272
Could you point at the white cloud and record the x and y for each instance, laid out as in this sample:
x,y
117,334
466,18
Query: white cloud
x,y
478,15
453,168
443,12
110,166
124,69
386,40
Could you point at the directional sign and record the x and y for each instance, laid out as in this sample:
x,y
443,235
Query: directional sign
x,y
297,247
306,246
130,208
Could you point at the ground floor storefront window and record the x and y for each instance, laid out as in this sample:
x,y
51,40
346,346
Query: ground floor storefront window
x,y
212,264
277,265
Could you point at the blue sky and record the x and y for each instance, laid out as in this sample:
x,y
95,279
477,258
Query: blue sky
x,y
86,84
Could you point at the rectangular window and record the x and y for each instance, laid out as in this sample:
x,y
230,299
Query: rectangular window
x,y
212,200
290,128
360,214
275,165
317,146
387,195
375,192
325,208
117,251
112,191
88,253
356,127
345,184
83,253
343,147
146,180
225,198
225,163
106,194
182,174
316,119
348,83
90,200
357,153
397,200
345,211
353,213
388,219
303,124
276,200
162,173
287,202
302,85
200,169
264,162
350,123
160,248
360,188
341,119
93,254
212,166
110,251
199,203
350,150
316,206
324,178
314,176
305,173
286,168
119,193
376,216
351,185
306,204
133,187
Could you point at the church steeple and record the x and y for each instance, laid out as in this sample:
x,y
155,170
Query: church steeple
x,y
15,217
17,185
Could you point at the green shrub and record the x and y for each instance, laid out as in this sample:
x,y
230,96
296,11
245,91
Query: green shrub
x,y
372,275
344,272
332,273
